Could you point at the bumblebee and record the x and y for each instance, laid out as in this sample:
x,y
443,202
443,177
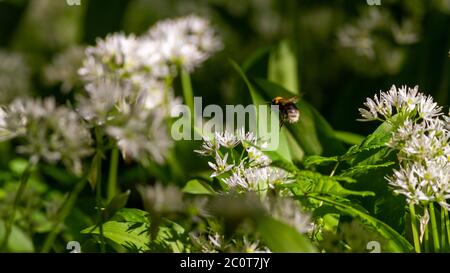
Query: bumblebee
x,y
289,112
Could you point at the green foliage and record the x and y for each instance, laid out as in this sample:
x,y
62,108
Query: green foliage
x,y
281,237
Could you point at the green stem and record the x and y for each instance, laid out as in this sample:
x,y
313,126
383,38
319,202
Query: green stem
x,y
442,228
9,223
112,176
447,225
64,212
98,184
334,169
427,239
434,228
188,93
412,211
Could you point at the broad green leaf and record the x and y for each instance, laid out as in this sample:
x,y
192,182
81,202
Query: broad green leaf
x,y
397,243
308,182
258,100
281,237
349,138
18,241
198,187
282,68
133,235
130,229
130,215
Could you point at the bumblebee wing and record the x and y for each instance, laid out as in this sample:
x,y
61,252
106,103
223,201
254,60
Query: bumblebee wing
x,y
293,99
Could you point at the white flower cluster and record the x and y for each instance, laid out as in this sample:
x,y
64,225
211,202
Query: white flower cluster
x,y
422,140
239,163
47,131
185,42
15,76
405,102
129,82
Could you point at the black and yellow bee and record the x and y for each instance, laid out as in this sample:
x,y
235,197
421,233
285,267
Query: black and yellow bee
x,y
289,112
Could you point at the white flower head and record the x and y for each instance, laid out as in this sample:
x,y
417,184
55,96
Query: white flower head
x,y
49,132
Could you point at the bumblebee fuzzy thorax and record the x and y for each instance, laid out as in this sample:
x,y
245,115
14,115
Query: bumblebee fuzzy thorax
x,y
289,112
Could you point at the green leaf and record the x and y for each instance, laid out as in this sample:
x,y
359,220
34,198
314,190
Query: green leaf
x,y
397,243
282,68
364,169
18,241
308,183
119,201
349,138
127,234
92,176
281,237
198,187
131,215
315,160
258,100
130,228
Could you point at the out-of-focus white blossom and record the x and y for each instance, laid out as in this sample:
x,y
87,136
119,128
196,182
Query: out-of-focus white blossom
x,y
64,67
187,41
141,134
288,210
162,199
15,76
47,131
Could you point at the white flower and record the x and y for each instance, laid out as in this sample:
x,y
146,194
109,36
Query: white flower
x,y
288,210
49,132
209,147
141,134
187,41
64,68
405,101
15,76
111,57
423,182
221,165
227,139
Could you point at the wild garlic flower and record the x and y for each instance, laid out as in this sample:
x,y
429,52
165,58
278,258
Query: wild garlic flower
x,y
423,181
47,131
15,76
240,164
141,134
112,57
187,41
162,199
64,67
288,211
404,101
422,141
